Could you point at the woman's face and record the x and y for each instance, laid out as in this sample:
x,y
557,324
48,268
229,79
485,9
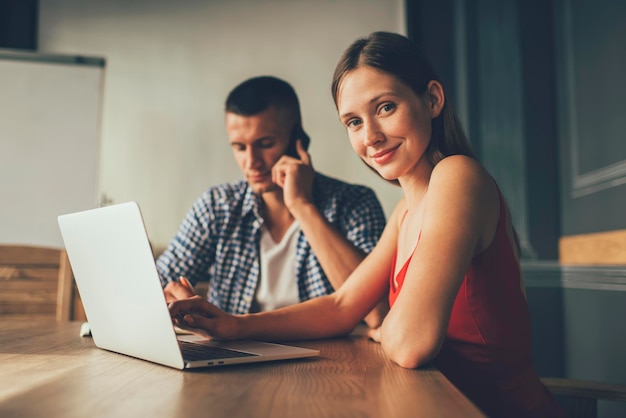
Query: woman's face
x,y
389,126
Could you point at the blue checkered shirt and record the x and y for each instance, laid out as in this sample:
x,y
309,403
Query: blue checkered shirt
x,y
218,241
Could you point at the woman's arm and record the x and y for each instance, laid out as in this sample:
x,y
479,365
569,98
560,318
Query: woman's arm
x,y
337,255
327,316
460,217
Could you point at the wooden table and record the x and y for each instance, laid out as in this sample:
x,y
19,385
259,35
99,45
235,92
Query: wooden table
x,y
47,370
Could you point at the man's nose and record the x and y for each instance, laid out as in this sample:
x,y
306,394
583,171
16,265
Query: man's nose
x,y
252,157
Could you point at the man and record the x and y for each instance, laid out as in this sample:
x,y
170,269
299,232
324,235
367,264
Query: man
x,y
283,235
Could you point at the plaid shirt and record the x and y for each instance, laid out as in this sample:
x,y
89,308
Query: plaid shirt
x,y
218,240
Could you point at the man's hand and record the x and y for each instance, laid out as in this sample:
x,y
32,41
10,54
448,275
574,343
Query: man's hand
x,y
178,290
295,177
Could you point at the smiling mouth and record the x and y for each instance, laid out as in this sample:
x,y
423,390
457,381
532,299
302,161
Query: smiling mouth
x,y
384,155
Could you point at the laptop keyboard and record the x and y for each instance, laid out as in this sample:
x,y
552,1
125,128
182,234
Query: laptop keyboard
x,y
194,352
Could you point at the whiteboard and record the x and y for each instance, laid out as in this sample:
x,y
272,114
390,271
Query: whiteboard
x,y
50,114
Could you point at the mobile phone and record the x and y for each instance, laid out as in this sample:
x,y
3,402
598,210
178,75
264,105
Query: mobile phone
x,y
297,133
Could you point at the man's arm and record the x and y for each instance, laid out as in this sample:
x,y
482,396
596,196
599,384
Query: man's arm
x,y
189,252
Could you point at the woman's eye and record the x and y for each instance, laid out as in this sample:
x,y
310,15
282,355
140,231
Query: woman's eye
x,y
387,107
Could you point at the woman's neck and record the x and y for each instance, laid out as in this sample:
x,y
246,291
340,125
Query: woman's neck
x,y
415,184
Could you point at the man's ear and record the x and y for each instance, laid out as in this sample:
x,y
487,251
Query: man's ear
x,y
436,98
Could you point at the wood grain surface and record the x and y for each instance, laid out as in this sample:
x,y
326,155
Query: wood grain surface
x,y
47,370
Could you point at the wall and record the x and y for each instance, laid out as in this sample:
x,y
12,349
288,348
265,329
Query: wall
x,y
170,66
592,86
591,62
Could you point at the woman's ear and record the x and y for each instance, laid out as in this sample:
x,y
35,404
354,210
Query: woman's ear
x,y
436,98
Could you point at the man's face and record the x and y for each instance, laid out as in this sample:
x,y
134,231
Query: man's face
x,y
258,142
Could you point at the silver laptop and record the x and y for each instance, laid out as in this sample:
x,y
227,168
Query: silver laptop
x,y
119,285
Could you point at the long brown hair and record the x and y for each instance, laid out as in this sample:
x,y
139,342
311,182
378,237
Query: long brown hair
x,y
400,57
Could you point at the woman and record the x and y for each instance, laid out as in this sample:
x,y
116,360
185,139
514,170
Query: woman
x,y
447,258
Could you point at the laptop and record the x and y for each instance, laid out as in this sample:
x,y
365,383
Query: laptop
x,y
121,292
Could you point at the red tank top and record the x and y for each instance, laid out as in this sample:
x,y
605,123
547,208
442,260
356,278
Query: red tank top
x,y
487,349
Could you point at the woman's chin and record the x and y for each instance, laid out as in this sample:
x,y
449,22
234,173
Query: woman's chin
x,y
384,172
388,175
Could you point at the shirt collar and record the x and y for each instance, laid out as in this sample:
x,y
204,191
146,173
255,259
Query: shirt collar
x,y
252,203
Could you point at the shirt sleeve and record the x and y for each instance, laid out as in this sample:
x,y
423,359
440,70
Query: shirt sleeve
x,y
363,218
191,252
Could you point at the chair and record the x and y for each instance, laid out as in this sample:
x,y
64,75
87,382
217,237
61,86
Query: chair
x,y
37,283
580,397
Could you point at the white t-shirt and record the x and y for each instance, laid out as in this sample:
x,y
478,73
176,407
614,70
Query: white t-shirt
x,y
278,285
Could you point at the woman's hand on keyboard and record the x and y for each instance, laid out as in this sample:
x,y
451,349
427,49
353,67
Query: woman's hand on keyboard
x,y
201,317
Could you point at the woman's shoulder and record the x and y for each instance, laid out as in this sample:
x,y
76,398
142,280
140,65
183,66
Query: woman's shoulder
x,y
461,163
463,172
461,180
461,185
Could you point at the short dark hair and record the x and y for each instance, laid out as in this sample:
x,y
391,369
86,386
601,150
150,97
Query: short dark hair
x,y
257,94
